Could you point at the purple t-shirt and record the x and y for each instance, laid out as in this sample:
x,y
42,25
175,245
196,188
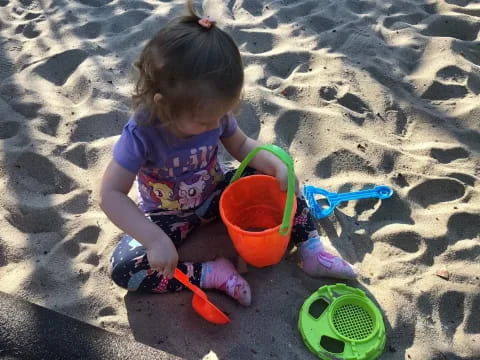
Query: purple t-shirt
x,y
172,173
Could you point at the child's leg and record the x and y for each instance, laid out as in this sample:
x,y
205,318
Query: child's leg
x,y
315,260
130,268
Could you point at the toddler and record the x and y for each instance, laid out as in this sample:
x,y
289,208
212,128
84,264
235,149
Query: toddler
x,y
190,80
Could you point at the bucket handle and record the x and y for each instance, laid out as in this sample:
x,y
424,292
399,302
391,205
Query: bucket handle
x,y
287,160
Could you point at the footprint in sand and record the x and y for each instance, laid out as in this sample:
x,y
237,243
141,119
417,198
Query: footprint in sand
x,y
28,30
451,26
440,91
271,22
8,129
88,235
342,161
434,191
392,211
408,241
107,311
350,101
249,121
30,220
78,90
286,127
282,65
398,22
254,7
320,24
471,254
94,3
255,42
78,204
328,93
28,109
58,68
354,103
452,311
400,180
297,10
463,226
388,162
98,126
400,120
360,7
7,67
49,124
31,15
90,30
93,259
469,50
127,20
473,83
472,325
465,178
38,173
446,156
451,73
81,156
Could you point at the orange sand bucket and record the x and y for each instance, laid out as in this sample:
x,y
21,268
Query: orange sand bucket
x,y
257,214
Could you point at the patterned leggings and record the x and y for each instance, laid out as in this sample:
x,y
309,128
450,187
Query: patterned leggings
x,y
129,266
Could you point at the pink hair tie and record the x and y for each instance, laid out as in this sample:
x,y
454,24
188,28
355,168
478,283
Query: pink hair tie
x,y
207,22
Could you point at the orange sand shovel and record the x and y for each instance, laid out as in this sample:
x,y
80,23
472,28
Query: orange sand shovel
x,y
200,302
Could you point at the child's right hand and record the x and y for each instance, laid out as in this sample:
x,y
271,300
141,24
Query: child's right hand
x,y
163,257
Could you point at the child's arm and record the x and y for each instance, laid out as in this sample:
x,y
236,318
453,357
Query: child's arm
x,y
123,212
240,145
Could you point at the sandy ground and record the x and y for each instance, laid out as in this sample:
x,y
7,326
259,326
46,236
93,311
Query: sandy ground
x,y
359,92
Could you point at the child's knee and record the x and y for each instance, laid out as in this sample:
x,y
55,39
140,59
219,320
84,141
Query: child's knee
x,y
119,276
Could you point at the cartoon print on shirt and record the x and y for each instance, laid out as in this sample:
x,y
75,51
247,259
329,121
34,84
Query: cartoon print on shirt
x,y
159,191
190,192
164,195
216,172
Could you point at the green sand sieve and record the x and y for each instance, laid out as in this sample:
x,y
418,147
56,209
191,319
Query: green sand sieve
x,y
340,322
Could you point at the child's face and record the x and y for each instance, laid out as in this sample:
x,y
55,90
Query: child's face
x,y
204,119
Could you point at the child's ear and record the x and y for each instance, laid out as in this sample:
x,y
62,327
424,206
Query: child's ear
x,y
157,98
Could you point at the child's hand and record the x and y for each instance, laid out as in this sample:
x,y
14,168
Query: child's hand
x,y
163,257
281,173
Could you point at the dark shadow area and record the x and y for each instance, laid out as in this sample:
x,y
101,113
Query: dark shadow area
x,y
59,336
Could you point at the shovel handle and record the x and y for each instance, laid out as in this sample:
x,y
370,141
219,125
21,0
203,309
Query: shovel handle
x,y
180,276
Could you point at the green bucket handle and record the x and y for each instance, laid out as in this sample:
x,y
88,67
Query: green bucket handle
x,y
287,160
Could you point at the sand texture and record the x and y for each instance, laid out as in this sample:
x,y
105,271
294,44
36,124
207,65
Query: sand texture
x,y
360,92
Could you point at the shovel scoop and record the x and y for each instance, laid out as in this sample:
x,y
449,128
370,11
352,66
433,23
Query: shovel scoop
x,y
200,302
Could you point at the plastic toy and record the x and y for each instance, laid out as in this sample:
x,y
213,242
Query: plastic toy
x,y
200,302
252,208
339,322
333,199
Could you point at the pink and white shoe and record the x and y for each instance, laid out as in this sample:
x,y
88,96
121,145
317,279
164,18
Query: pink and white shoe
x,y
317,262
220,274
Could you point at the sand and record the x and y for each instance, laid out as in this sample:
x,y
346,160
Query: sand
x,y
361,93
